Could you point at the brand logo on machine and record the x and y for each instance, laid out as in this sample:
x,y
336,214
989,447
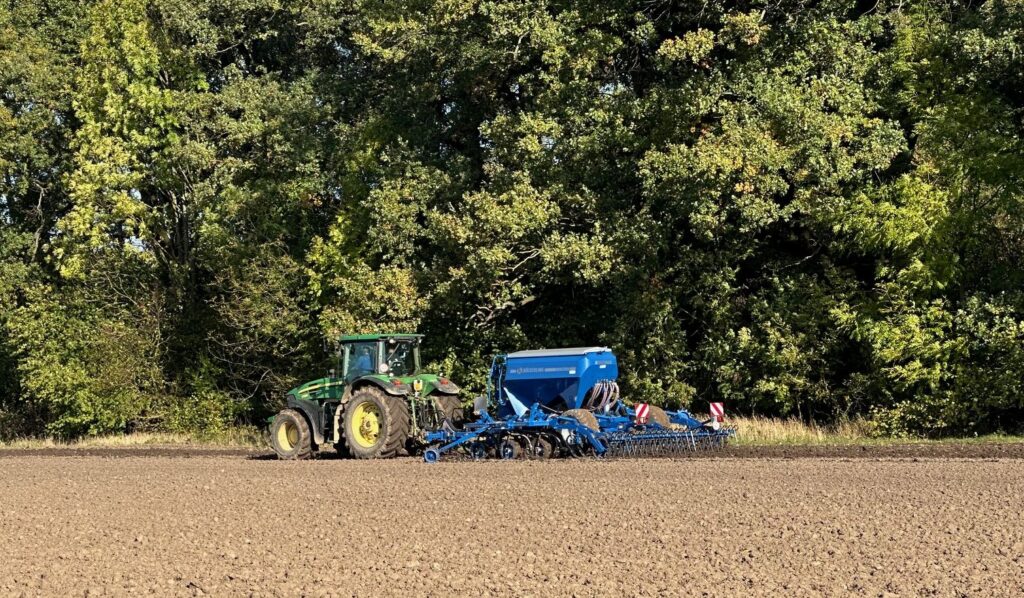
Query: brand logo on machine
x,y
571,371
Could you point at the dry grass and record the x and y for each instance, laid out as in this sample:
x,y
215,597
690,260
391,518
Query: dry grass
x,y
768,431
242,437
774,431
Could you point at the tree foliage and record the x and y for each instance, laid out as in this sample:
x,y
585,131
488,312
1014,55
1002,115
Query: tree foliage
x,y
809,209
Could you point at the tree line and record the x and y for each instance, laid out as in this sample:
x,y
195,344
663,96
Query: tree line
x,y
809,209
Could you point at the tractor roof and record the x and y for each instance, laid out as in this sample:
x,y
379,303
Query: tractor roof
x,y
346,338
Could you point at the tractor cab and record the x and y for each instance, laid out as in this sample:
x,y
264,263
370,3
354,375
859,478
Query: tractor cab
x,y
395,355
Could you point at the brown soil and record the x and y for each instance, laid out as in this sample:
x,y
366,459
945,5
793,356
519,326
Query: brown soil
x,y
177,452
230,525
976,450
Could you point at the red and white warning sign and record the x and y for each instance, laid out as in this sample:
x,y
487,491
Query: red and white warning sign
x,y
643,410
718,411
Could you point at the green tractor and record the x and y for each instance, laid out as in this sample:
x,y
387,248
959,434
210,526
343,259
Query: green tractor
x,y
377,404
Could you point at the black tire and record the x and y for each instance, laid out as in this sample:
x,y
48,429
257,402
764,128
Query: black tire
x,y
478,451
399,440
451,409
290,437
542,448
339,447
509,449
657,415
375,425
584,417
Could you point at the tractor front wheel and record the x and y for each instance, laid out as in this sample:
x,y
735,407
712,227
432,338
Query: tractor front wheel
x,y
376,425
289,434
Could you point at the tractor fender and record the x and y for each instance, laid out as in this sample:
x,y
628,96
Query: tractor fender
x,y
448,387
314,416
395,390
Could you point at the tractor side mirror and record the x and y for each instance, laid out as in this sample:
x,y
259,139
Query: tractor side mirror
x,y
480,405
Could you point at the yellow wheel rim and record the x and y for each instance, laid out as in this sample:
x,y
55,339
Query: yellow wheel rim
x,y
365,424
287,435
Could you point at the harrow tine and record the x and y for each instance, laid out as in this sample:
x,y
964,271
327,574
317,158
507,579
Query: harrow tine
x,y
663,443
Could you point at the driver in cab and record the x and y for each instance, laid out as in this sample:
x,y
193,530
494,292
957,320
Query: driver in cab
x,y
362,365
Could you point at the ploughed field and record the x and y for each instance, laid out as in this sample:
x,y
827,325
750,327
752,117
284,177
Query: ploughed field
x,y
152,521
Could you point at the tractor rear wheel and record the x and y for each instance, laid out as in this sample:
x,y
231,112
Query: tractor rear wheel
x,y
290,437
451,409
402,428
376,425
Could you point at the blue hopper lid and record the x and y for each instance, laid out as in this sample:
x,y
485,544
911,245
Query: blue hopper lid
x,y
570,351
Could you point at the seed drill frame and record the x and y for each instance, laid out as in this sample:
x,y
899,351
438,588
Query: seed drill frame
x,y
566,402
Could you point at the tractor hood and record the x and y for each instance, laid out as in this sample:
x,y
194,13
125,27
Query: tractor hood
x,y
319,389
332,388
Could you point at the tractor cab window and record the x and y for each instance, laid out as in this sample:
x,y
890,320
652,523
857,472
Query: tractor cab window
x,y
361,359
401,358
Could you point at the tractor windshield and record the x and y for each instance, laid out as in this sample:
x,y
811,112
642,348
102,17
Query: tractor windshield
x,y
400,357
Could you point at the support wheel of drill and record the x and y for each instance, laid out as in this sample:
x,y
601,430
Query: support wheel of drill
x,y
290,437
510,449
376,425
542,448
478,451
